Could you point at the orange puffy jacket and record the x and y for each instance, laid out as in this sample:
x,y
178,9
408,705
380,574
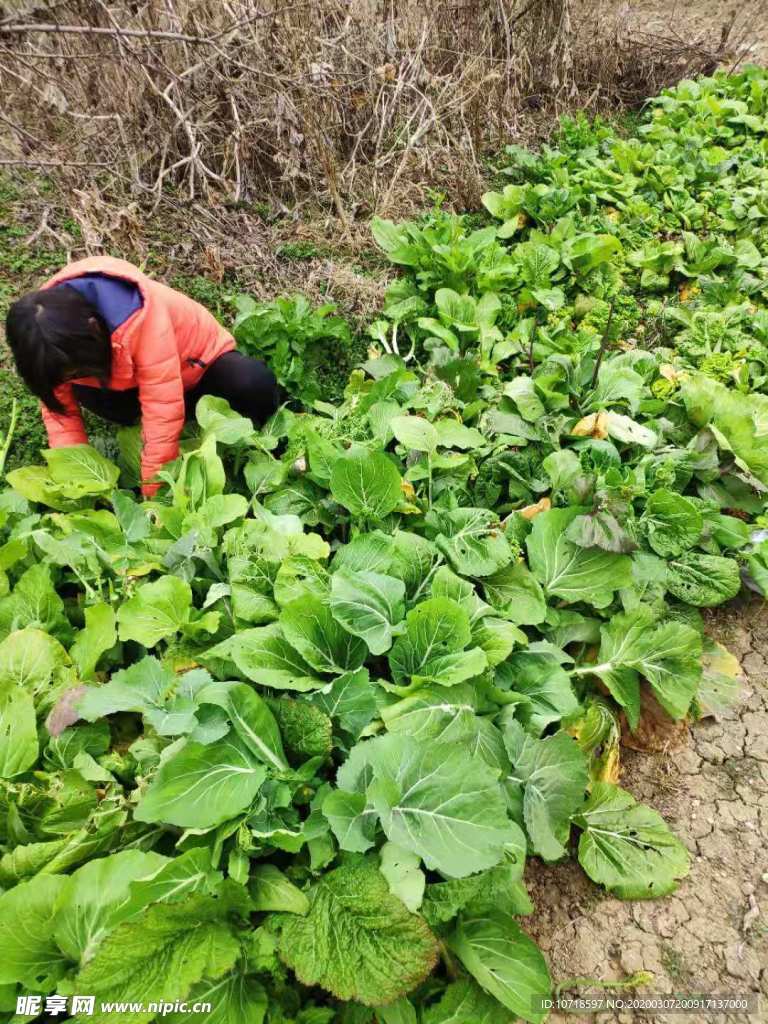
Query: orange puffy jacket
x,y
162,349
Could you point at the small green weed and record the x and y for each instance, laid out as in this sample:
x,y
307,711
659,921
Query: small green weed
x,y
673,963
214,295
300,251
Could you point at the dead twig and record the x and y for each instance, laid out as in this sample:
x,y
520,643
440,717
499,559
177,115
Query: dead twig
x,y
56,163
140,33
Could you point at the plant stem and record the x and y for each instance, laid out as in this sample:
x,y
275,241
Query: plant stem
x,y
603,347
427,579
9,436
530,349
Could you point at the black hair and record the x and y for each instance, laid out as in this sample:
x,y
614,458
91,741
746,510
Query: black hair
x,y
56,335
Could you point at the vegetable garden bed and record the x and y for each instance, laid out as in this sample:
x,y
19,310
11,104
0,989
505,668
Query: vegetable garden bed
x,y
283,739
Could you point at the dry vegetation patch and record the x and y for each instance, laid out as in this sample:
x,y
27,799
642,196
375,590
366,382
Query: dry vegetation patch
x,y
352,103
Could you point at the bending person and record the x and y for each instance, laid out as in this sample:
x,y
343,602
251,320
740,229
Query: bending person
x,y
102,335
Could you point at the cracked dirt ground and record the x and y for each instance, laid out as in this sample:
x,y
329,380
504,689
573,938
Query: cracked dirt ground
x,y
712,934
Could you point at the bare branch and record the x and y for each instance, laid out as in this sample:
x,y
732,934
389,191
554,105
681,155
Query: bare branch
x,y
142,33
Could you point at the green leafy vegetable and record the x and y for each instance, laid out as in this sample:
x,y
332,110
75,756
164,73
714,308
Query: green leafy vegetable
x,y
503,960
358,941
627,847
330,686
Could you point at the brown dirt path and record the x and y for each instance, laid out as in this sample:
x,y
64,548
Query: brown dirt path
x,y
712,934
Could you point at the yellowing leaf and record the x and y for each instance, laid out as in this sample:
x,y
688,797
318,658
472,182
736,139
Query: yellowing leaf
x,y
594,425
720,680
668,372
531,511
610,769
718,658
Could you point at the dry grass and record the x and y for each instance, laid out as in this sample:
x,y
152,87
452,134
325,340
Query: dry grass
x,y
342,103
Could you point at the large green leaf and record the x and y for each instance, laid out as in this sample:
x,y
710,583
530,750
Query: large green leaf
x,y
472,540
516,592
673,522
433,713
29,658
310,627
255,724
79,470
167,701
402,870
668,655
547,783
236,998
34,603
201,786
98,636
501,886
36,484
464,1001
264,656
571,572
18,731
352,820
522,391
95,899
216,417
627,847
296,577
452,434
584,252
737,420
358,941
271,889
703,580
368,605
366,483
439,802
445,583
503,960
545,686
175,880
415,432
160,953
350,701
497,638
156,612
432,647
30,954
400,1012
